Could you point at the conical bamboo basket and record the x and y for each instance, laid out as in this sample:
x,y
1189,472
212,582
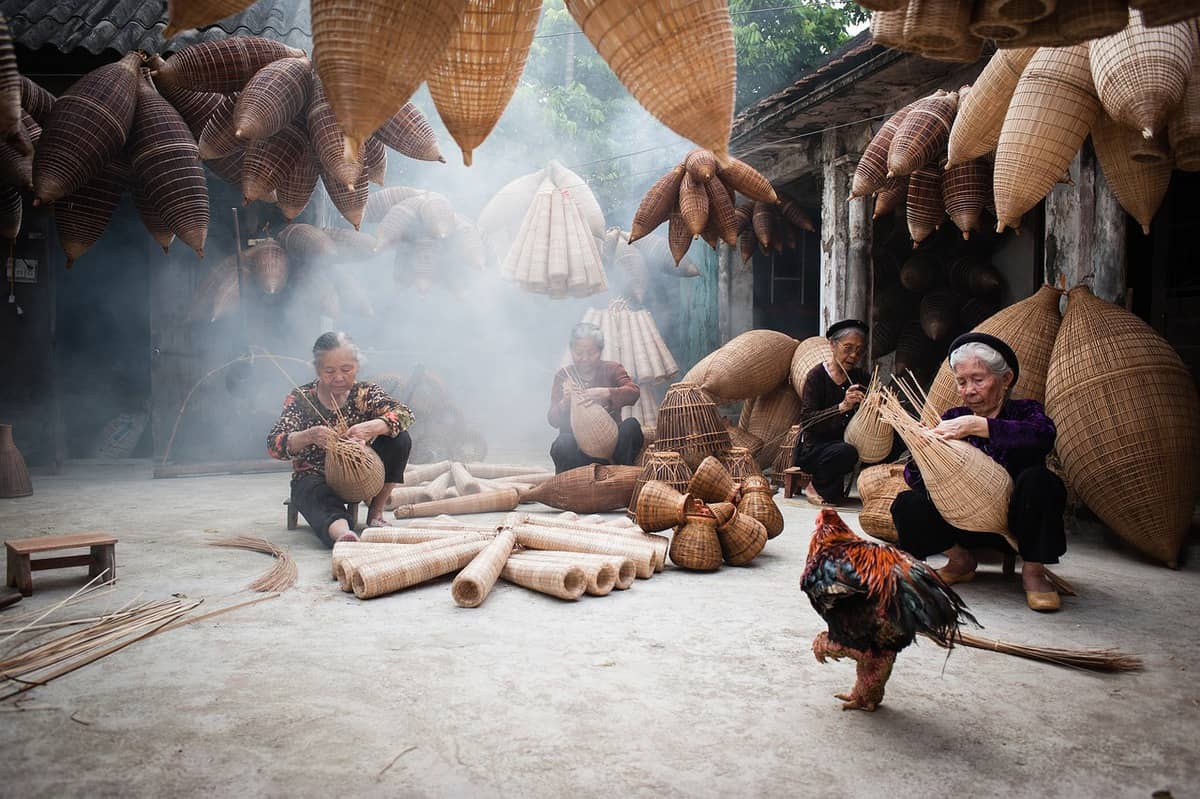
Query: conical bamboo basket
x,y
688,423
809,352
373,55
1139,187
14,476
758,502
1184,125
328,140
650,47
1128,424
660,507
221,65
81,218
693,204
924,207
587,489
1053,108
272,98
656,205
695,545
474,583
1141,73
489,502
664,467
879,486
712,482
747,181
750,364
377,578
922,134
965,192
871,172
976,129
866,432
742,538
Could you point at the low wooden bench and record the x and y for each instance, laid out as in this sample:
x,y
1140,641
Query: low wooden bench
x,y
795,480
293,514
102,555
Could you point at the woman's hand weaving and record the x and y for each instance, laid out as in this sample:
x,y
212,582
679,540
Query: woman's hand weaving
x,y
367,431
960,428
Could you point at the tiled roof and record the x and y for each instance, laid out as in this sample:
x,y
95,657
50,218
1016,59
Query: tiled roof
x,y
124,25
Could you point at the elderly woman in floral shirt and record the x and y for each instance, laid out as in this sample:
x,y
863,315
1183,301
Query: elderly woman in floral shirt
x,y
305,428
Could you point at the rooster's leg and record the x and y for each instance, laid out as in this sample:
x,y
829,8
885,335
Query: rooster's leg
x,y
873,673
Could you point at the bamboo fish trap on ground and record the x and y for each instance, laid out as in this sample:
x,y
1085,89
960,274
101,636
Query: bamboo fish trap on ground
x,y
878,487
663,467
688,423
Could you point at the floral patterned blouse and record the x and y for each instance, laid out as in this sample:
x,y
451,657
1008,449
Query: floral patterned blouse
x,y
365,402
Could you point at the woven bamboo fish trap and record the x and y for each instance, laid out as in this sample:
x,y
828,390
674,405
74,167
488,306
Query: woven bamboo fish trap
x,y
554,578
744,439
975,276
883,483
871,172
475,582
693,204
965,190
477,73
988,22
741,464
977,124
866,432
10,85
1139,187
35,100
1164,12
925,208
750,364
720,204
601,572
272,98
184,14
922,134
86,129
746,180
1141,73
939,313
376,578
652,47
664,467
269,265
166,165
656,204
81,218
306,244
402,222
660,506
373,55
679,237
701,165
688,423
588,489
919,274
1153,150
229,168
10,212
593,427
1053,108
267,160
916,352
353,471
195,107
970,490
296,186
409,133
758,502
641,552
695,545
217,139
151,216
328,140
425,533
484,502
887,28
763,221
785,453
890,197
1125,406
352,556
772,415
1082,22
221,65
723,512
350,202
1184,126
742,538
936,25
375,161
712,482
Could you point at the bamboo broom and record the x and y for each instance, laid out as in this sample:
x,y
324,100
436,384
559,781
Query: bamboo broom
x,y
1104,660
474,583
562,580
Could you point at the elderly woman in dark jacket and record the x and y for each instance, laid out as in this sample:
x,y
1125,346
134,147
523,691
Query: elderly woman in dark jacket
x,y
1018,435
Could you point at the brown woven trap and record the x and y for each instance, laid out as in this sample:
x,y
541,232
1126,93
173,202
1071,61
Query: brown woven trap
x,y
688,423
871,172
751,364
923,133
866,432
741,464
663,467
587,489
660,507
695,545
980,115
1139,186
758,501
742,537
878,487
353,470
712,482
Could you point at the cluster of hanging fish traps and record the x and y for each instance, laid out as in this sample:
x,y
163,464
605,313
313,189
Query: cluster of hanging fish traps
x,y
697,199
1004,142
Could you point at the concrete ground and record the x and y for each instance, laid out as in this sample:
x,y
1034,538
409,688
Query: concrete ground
x,y
685,685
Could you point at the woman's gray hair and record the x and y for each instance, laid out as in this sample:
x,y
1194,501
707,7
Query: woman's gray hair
x,y
335,340
993,360
586,330
841,334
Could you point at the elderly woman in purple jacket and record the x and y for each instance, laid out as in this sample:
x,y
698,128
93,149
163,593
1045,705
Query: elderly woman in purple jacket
x,y
1018,435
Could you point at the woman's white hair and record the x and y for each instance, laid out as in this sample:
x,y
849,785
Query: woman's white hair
x,y
589,331
993,360
335,340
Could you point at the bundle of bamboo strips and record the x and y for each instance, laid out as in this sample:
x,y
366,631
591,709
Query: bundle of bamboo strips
x,y
280,577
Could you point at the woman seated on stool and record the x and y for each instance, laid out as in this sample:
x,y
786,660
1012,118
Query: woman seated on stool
x,y
1018,435
603,382
835,384
305,429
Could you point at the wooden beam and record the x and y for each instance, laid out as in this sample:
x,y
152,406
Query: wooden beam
x,y
1085,232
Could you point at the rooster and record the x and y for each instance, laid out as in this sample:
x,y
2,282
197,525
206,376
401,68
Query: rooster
x,y
875,599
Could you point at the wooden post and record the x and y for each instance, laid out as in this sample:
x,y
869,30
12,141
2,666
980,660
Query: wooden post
x,y
1085,232
724,281
845,237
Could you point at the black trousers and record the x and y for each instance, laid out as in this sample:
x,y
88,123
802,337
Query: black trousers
x,y
566,454
828,462
1035,520
321,506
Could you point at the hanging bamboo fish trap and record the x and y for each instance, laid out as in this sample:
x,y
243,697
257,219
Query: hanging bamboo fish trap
x,y
879,486
720,204
866,432
890,197
217,139
695,545
221,65
1139,187
195,107
1052,109
922,134
688,423
269,265
661,466
296,186
1125,406
742,538
1184,126
758,502
747,181
939,313
936,25
268,160
656,204
1082,22
701,165
871,172
924,207
353,470
81,218
965,190
35,100
989,22
588,489
409,133
980,115
272,98
1141,72
975,276
693,204
970,490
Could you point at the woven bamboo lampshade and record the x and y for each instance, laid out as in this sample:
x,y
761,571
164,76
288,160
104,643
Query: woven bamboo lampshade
x,y
922,134
676,57
656,205
85,130
373,55
1139,187
758,502
879,486
1125,406
353,471
221,65
688,423
1052,110
977,124
1030,328
747,181
965,191
664,467
476,75
81,217
871,172
272,98
696,545
866,432
1184,126
925,208
1141,72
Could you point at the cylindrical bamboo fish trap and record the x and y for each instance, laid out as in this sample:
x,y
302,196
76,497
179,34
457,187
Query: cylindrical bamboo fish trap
x,y
922,135
871,172
980,115
622,569
688,423
641,553
463,480
587,489
554,578
695,545
711,482
742,538
377,578
474,583
664,467
936,25
965,191
887,28
747,181
491,502
346,562
1125,406
758,502
601,574
419,535
353,470
493,470
989,22
1140,187
660,507
866,432
606,530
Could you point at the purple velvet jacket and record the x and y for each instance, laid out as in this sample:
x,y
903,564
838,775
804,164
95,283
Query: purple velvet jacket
x,y
1020,437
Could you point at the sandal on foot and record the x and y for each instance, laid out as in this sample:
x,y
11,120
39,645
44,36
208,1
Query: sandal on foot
x,y
951,578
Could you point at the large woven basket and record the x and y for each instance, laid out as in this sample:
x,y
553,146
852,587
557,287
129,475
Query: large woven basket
x,y
1141,73
1052,110
924,207
1029,327
741,538
675,58
695,545
758,502
476,75
965,191
1128,424
809,352
1139,187
588,489
712,482
922,134
772,415
660,507
879,486
1184,126
749,365
593,427
936,25
871,172
353,470
664,467
688,423
980,114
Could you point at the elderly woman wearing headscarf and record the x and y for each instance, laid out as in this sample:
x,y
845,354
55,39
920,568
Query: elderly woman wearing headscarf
x,y
1018,435
603,382
305,429
829,398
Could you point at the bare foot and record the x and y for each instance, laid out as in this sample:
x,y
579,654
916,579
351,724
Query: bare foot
x,y
378,521
813,496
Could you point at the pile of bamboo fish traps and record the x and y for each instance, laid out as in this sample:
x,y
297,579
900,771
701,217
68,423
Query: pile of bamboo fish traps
x,y
945,30
549,234
563,556
452,487
632,339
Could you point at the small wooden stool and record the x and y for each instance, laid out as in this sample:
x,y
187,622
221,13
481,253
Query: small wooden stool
x,y
102,555
795,480
293,515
